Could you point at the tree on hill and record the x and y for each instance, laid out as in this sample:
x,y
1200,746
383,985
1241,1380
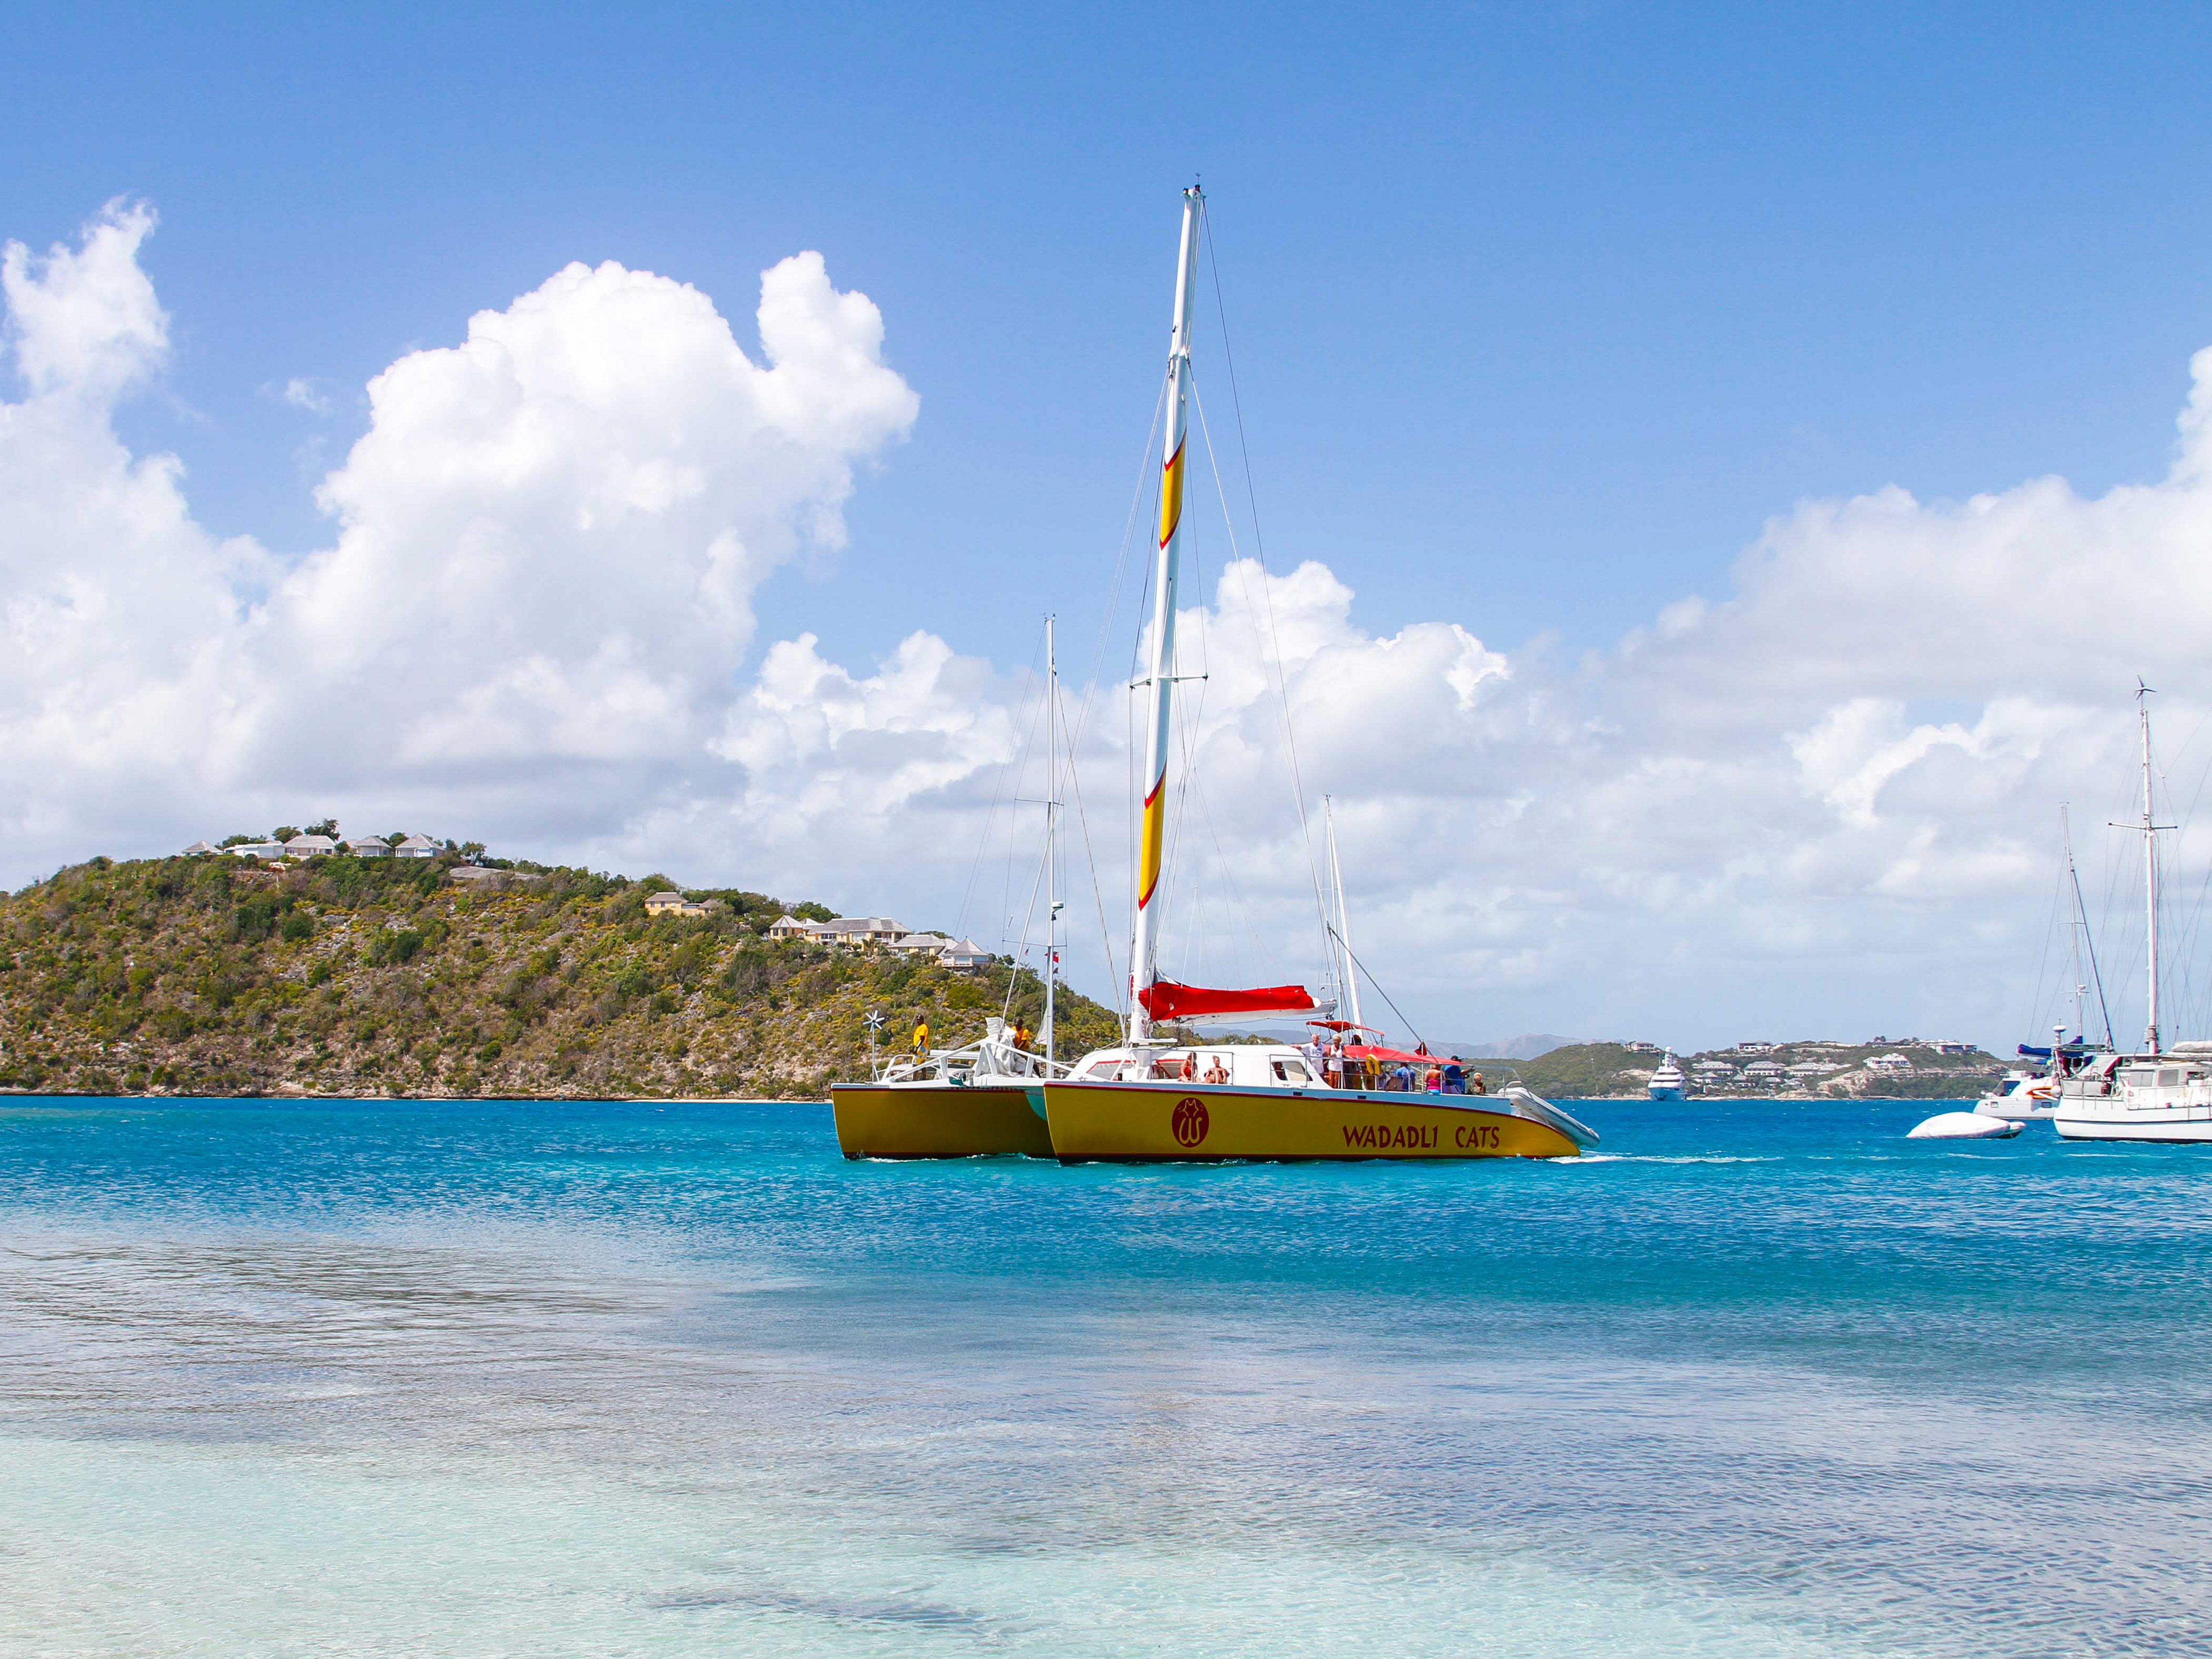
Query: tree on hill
x,y
372,976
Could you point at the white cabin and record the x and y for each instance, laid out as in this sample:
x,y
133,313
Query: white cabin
x,y
1250,1066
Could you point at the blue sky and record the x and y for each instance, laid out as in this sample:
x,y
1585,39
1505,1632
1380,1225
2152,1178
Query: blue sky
x,y
1543,317
1541,311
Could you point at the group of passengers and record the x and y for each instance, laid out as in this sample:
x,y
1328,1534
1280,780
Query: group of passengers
x,y
1343,1070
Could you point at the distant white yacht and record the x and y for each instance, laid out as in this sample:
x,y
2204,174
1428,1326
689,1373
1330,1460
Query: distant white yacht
x,y
1668,1082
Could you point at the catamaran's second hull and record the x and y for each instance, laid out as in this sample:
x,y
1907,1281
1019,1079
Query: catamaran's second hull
x,y
938,1120
2105,1120
1181,1122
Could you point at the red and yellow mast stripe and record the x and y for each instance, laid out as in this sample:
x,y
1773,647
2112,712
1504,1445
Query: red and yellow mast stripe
x,y
1156,799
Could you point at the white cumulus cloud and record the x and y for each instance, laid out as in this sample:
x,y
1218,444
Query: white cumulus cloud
x,y
1819,796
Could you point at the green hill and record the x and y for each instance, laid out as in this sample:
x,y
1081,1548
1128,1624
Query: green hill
x,y
342,975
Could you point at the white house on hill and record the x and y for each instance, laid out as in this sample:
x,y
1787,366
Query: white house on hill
x,y
966,954
369,846
416,847
309,847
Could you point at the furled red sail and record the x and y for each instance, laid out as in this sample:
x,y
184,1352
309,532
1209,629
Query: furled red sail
x,y
1165,1000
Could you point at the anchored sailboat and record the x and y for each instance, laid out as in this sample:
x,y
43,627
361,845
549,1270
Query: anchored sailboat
x,y
2164,1096
1153,1099
981,1099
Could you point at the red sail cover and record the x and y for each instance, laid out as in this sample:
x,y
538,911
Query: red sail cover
x,y
1165,1000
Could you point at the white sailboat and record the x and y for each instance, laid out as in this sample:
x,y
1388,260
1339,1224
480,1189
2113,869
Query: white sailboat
x,y
1152,1098
2153,1095
2028,1092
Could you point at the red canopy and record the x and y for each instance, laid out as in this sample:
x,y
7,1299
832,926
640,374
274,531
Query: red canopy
x,y
1393,1056
1341,1025
1165,1000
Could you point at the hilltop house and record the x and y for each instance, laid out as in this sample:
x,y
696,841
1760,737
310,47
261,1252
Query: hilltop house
x,y
416,847
309,847
258,850
921,944
965,955
196,848
1765,1071
367,847
1889,1063
858,932
671,904
793,927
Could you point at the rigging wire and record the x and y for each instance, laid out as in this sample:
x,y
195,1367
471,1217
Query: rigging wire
x,y
1259,543
991,817
1274,654
1419,1039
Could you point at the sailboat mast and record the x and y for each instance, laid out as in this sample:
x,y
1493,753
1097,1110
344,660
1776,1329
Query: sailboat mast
x,y
1348,970
2074,923
1143,951
1051,834
2150,870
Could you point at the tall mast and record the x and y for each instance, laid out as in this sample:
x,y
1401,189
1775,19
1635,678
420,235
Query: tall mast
x,y
1348,970
2150,869
2089,945
2074,924
1051,832
1143,951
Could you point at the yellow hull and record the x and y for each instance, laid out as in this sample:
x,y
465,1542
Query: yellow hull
x,y
1182,1123
927,1120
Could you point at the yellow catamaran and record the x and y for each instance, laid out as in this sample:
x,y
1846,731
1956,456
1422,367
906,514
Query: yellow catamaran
x,y
1156,1100
980,1100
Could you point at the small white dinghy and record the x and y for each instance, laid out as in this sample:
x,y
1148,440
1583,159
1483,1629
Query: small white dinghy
x,y
1965,1125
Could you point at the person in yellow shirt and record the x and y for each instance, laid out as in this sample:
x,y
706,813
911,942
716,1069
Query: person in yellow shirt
x,y
921,1034
1021,1033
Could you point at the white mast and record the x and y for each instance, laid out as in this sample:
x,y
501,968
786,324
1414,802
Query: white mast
x,y
2149,826
1348,970
1143,951
1051,832
2073,922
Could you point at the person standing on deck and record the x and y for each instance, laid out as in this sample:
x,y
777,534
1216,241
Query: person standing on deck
x,y
921,1034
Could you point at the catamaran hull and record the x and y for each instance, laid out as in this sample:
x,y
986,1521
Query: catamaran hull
x,y
1176,1123
983,1120
2172,1126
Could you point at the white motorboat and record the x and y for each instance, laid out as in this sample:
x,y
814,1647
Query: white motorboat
x,y
1668,1082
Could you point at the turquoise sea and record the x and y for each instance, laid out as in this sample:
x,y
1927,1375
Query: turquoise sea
x,y
497,1378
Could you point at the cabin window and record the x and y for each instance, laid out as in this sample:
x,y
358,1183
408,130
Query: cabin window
x,y
2169,1078
1292,1071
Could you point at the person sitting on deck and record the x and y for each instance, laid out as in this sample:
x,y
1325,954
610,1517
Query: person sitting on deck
x,y
1216,1073
1476,1085
1434,1082
1021,1033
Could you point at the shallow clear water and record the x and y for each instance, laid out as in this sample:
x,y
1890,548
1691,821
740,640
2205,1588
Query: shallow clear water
x,y
496,1378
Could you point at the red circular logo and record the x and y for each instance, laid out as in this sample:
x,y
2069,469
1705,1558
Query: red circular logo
x,y
1190,1121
